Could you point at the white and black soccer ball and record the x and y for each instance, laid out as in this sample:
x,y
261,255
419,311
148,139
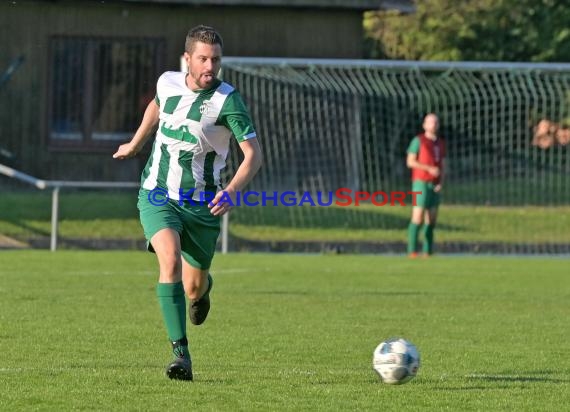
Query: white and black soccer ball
x,y
396,361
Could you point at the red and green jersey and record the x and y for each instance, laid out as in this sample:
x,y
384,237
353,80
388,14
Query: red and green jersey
x,y
429,152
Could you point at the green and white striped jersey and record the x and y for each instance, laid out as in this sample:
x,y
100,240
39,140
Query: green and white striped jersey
x,y
193,137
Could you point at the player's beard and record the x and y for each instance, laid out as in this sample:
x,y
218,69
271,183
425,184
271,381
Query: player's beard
x,y
203,80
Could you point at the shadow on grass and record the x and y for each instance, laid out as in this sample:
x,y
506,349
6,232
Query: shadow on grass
x,y
280,292
309,217
538,377
466,388
499,380
373,293
391,293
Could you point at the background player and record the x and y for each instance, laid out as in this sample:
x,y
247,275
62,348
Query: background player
x,y
426,154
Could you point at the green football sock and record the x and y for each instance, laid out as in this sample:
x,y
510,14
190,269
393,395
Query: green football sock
x,y
413,230
173,306
428,239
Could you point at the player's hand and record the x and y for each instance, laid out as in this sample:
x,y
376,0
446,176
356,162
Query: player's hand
x,y
220,204
125,151
434,171
437,188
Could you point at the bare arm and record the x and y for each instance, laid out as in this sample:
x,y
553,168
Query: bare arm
x,y
412,163
149,121
246,171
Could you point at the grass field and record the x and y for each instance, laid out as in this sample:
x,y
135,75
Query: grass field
x,y
82,331
104,215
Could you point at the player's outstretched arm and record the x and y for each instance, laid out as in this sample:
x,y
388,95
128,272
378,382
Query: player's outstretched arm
x,y
149,121
252,159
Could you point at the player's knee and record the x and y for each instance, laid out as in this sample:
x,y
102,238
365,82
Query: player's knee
x,y
192,290
417,216
195,286
417,219
430,220
170,266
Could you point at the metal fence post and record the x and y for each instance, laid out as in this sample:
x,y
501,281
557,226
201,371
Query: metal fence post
x,y
54,218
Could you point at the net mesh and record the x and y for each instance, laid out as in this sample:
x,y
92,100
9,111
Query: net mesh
x,y
324,127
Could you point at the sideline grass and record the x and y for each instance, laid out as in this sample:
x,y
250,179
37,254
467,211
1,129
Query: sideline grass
x,y
114,216
82,331
530,224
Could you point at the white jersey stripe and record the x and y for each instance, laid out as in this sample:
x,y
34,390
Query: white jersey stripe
x,y
174,173
150,181
198,171
218,99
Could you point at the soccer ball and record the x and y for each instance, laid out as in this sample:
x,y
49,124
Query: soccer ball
x,y
396,361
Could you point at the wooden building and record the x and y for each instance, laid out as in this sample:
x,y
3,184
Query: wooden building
x,y
84,70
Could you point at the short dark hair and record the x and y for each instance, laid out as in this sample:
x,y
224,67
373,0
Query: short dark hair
x,y
204,34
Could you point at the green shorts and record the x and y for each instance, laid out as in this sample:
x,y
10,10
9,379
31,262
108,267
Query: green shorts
x,y
427,199
198,228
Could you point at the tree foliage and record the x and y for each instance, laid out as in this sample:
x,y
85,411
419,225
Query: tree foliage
x,y
490,30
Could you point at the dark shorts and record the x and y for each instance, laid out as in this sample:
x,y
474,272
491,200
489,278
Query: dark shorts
x,y
197,227
427,198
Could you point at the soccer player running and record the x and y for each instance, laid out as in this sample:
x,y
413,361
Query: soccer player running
x,y
197,115
425,157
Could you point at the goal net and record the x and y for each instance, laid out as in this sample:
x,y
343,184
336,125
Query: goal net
x,y
325,125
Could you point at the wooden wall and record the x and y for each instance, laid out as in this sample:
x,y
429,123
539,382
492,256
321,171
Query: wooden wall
x,y
25,28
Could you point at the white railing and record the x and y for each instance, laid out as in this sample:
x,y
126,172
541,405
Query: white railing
x,y
55,185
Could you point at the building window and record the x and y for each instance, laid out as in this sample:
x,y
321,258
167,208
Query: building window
x,y
99,88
